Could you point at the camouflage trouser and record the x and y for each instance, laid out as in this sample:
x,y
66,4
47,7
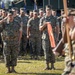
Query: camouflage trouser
x,y
10,54
23,43
35,43
69,65
49,56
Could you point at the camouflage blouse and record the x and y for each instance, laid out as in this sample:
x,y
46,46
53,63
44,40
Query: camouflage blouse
x,y
10,33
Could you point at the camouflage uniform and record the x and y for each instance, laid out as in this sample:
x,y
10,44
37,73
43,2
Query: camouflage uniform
x,y
34,36
41,52
69,65
55,31
1,42
1,27
10,37
24,40
18,19
49,56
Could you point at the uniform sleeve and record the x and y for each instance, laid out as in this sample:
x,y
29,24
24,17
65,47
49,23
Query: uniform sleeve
x,y
21,26
57,22
27,19
41,21
20,20
29,23
62,25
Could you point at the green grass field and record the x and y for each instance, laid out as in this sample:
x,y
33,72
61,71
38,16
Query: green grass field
x,y
33,67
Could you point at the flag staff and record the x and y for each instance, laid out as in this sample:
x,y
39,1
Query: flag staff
x,y
67,29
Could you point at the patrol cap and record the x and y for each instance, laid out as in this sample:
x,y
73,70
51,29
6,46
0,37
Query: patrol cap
x,y
48,7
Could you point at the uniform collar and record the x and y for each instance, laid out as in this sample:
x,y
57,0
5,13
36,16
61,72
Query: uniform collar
x,y
48,16
34,18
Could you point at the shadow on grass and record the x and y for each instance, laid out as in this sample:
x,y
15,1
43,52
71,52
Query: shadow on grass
x,y
2,61
39,73
24,62
40,59
59,59
58,69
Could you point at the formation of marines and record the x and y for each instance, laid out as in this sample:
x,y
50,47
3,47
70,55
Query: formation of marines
x,y
18,29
